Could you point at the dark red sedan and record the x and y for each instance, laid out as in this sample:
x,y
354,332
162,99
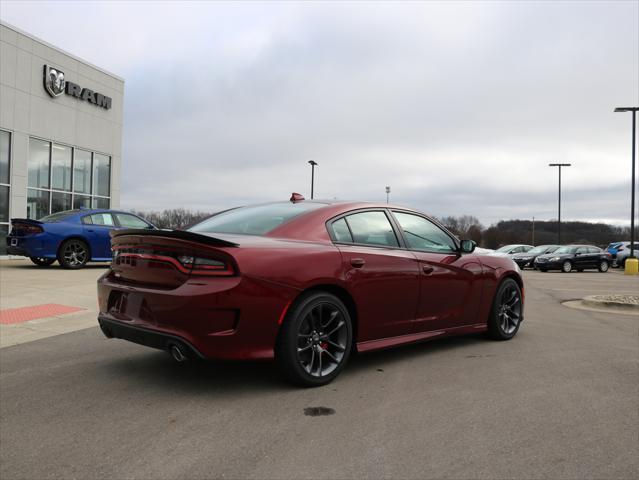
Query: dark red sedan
x,y
306,283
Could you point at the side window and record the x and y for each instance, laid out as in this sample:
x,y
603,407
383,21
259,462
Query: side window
x,y
582,250
372,228
517,250
130,221
526,249
593,250
341,233
100,219
422,234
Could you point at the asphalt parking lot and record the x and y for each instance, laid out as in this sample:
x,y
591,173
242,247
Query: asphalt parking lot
x,y
558,401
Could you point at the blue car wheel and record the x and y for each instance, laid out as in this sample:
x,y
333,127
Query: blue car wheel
x,y
73,254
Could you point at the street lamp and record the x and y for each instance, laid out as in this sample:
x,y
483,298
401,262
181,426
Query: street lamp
x,y
387,192
313,163
559,213
632,265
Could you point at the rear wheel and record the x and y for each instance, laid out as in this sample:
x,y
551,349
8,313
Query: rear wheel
x,y
566,267
41,261
603,266
315,340
507,312
73,254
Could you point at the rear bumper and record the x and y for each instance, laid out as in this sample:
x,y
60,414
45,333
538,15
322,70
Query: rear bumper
x,y
40,245
17,251
223,318
143,336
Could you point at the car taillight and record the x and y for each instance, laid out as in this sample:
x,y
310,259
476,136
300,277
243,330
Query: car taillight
x,y
205,266
27,229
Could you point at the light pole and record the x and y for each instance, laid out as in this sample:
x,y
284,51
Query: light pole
x,y
559,208
632,266
387,192
313,163
533,232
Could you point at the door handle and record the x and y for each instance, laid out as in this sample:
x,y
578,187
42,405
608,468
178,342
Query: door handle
x,y
357,262
427,269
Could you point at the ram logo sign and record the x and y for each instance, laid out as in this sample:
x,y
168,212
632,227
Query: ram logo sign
x,y
55,84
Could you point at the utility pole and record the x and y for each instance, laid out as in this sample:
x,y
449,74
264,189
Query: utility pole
x,y
387,192
533,239
559,202
632,265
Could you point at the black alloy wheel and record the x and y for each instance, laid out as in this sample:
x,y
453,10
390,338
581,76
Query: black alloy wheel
x,y
507,312
73,254
42,261
315,340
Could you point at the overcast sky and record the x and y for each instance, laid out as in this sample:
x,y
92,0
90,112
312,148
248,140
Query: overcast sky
x,y
458,106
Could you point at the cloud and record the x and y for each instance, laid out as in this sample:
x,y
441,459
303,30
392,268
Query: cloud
x,y
458,106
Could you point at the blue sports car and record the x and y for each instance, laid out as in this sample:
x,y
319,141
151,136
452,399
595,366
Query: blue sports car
x,y
73,237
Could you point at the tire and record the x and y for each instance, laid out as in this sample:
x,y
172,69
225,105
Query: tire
x,y
603,266
506,314
543,269
42,261
315,340
566,267
73,254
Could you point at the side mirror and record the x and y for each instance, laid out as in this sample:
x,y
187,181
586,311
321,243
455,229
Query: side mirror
x,y
467,246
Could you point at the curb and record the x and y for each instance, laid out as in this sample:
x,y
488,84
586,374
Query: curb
x,y
626,302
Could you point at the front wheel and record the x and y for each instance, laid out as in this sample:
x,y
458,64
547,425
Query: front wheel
x,y
566,267
42,261
603,266
507,312
73,254
315,340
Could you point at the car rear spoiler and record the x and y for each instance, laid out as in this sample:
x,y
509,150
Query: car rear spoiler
x,y
178,234
26,220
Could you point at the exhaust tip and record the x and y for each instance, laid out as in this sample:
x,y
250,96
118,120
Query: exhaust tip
x,y
177,353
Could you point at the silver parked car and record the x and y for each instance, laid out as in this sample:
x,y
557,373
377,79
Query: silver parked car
x,y
620,252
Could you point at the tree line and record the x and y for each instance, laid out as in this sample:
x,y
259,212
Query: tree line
x,y
464,226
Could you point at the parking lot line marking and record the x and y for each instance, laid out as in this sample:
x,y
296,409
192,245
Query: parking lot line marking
x,y
24,314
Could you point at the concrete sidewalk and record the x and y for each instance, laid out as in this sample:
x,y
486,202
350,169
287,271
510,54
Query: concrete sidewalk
x,y
23,284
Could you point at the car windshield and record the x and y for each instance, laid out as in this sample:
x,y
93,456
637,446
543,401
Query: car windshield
x,y
56,217
566,250
536,250
255,220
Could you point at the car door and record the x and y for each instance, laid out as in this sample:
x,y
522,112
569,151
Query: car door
x,y
382,277
594,257
97,227
581,259
450,283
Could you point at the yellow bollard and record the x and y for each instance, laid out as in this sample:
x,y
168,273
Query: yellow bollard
x,y
632,266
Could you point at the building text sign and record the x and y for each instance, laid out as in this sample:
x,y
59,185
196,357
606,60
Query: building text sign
x,y
55,84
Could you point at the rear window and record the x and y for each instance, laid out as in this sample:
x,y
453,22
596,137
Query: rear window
x,y
56,217
255,220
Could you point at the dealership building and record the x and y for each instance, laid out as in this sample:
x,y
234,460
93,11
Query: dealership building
x,y
60,131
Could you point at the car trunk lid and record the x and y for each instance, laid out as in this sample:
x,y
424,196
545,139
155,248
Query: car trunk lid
x,y
168,258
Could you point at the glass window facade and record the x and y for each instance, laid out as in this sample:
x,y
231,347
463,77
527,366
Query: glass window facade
x,y
5,171
61,177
